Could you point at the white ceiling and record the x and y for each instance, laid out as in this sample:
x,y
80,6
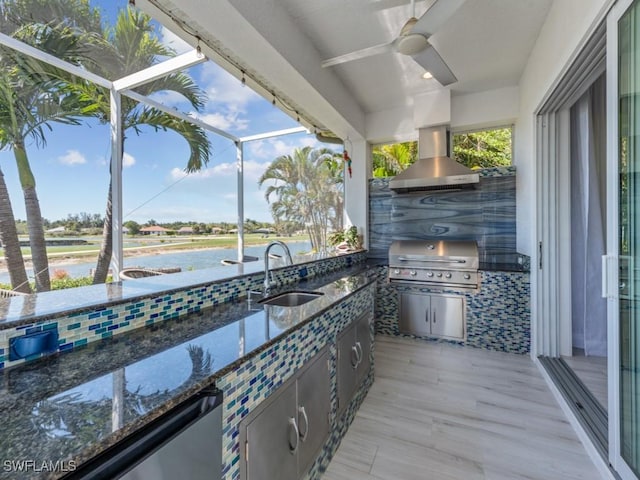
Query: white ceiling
x,y
281,44
486,44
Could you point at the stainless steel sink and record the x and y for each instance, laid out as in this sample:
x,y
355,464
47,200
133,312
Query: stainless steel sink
x,y
291,299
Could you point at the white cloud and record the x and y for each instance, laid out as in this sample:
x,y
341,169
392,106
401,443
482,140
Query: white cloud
x,y
228,99
173,41
128,160
224,89
224,121
252,171
72,157
168,98
272,148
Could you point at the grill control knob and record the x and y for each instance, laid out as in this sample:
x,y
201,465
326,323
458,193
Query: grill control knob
x,y
429,274
439,275
448,275
467,276
412,273
397,271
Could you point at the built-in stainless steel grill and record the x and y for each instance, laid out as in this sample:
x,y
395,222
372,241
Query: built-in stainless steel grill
x,y
445,263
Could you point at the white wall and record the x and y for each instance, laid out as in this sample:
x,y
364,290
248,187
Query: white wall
x,y
356,188
566,27
492,108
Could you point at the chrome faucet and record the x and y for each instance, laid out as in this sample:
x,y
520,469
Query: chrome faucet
x,y
268,282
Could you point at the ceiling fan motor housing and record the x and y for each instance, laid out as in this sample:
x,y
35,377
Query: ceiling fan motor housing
x,y
412,44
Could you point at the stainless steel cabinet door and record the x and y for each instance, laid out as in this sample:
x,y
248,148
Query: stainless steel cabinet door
x,y
414,314
363,344
347,366
447,316
273,439
314,405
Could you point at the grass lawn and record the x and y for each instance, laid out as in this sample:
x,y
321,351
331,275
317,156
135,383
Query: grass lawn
x,y
165,243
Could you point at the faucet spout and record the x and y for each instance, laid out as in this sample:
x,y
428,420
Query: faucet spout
x,y
268,281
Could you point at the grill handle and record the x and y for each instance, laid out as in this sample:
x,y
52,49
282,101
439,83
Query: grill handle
x,y
435,260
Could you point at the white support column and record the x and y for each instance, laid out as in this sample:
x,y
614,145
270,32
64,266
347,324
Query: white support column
x,y
240,166
356,188
116,183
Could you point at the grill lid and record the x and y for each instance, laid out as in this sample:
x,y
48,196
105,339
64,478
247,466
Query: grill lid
x,y
458,254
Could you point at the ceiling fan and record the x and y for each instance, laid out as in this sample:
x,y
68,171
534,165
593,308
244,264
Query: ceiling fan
x,y
413,40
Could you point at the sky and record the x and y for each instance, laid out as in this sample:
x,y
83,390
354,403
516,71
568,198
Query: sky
x,y
72,171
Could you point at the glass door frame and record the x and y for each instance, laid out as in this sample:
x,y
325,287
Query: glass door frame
x,y
612,279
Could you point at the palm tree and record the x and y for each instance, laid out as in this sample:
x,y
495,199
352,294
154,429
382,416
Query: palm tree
x,y
390,160
32,96
10,243
130,46
306,186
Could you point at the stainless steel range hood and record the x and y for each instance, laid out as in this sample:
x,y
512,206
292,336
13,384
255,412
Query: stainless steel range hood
x,y
434,170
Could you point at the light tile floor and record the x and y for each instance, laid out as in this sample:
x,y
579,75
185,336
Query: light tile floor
x,y
438,411
593,373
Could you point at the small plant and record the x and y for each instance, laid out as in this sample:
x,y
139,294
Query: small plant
x,y
59,274
348,237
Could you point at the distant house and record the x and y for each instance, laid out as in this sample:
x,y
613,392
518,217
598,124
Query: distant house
x,y
185,231
56,230
154,230
216,230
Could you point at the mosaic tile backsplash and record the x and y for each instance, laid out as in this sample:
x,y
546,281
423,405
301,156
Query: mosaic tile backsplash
x,y
498,315
99,322
250,384
486,214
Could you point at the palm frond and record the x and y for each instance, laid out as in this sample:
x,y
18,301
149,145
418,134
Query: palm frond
x,y
196,137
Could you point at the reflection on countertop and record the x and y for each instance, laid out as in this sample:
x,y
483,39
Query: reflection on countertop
x,y
71,406
48,304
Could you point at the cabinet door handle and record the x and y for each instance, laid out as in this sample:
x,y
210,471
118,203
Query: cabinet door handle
x,y
293,426
303,412
354,361
359,352
434,316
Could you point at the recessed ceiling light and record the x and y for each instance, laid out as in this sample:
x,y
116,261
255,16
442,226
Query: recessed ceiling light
x,y
427,75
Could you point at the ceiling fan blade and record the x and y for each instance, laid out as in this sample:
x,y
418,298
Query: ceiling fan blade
x,y
431,61
358,54
436,16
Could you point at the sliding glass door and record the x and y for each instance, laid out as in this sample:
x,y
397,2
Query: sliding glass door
x,y
624,313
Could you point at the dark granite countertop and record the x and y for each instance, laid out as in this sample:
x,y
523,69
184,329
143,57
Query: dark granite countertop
x,y
60,408
29,308
503,267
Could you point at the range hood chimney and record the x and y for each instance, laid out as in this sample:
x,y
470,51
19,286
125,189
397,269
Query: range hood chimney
x,y
433,170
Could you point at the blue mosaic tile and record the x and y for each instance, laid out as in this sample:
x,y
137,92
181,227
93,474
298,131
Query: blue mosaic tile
x,y
498,315
31,330
145,312
244,389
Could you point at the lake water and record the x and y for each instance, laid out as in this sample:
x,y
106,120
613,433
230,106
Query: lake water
x,y
187,260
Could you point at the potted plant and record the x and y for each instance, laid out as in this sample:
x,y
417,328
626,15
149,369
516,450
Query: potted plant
x,y
347,239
